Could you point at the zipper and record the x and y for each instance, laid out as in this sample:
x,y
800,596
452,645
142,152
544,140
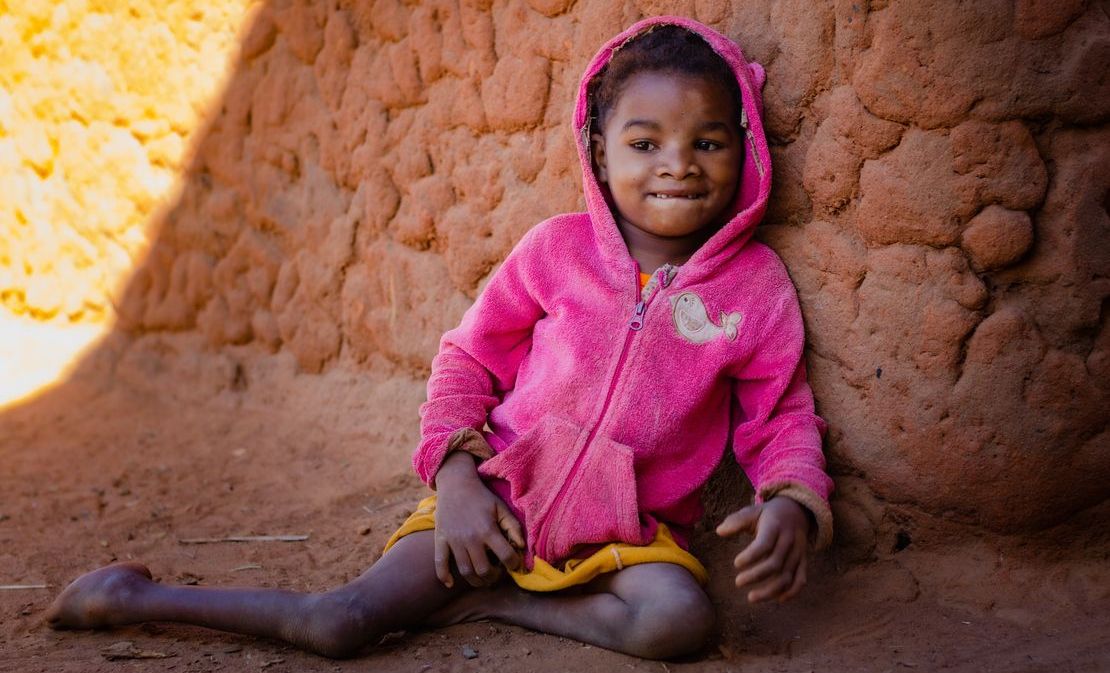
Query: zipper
x,y
751,141
662,277
637,322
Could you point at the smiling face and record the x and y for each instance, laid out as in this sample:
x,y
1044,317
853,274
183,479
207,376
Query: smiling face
x,y
671,153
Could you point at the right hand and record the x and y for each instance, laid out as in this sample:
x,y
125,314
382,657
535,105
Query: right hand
x,y
470,522
773,565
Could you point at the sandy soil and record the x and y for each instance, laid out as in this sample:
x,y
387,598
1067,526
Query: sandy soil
x,y
151,443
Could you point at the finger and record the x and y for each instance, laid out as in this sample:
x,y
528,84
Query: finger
x,y
758,549
799,582
770,565
771,587
510,526
741,520
480,564
504,551
495,571
778,583
443,562
462,564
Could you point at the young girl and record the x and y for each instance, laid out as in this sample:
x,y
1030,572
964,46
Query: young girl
x,y
576,413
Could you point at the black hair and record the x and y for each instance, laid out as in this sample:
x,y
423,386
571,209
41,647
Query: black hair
x,y
666,49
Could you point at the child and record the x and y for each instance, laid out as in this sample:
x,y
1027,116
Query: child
x,y
609,395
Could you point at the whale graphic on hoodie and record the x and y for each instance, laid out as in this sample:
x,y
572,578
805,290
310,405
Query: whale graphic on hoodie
x,y
691,319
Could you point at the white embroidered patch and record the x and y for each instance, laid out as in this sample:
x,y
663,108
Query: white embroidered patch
x,y
691,319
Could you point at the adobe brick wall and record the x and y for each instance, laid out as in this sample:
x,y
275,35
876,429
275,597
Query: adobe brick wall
x,y
941,181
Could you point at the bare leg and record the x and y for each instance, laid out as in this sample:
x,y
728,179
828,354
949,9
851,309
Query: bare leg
x,y
397,592
654,610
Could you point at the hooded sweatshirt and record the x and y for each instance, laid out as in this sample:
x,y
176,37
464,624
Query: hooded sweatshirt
x,y
608,406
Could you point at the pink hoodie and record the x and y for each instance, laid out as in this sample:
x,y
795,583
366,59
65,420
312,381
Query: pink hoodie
x,y
609,407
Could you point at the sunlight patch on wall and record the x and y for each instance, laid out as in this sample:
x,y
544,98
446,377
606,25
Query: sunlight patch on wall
x,y
98,103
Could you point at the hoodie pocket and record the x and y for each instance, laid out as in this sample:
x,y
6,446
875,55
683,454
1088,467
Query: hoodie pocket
x,y
535,465
598,505
565,497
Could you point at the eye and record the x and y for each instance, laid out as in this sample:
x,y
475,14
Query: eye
x,y
642,145
708,145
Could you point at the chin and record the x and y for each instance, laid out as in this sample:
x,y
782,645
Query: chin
x,y
673,232
676,226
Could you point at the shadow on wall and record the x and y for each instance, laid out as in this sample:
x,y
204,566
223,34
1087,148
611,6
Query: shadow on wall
x,y
941,204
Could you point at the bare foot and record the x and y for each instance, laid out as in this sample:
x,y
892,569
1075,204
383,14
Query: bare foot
x,y
100,598
475,604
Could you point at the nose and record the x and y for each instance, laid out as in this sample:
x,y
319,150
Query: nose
x,y
677,162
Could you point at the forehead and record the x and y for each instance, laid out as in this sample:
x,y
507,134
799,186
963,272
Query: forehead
x,y
672,96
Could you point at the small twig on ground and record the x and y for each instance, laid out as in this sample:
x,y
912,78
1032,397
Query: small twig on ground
x,y
249,566
17,587
385,505
382,506
125,649
245,538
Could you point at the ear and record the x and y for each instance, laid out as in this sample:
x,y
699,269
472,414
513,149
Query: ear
x,y
597,151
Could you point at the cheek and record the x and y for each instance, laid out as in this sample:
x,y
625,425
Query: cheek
x,y
727,169
624,185
625,181
625,165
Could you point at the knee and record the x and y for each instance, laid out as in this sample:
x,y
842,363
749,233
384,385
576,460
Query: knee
x,y
337,626
677,624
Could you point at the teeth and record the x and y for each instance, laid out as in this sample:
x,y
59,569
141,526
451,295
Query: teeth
x,y
668,196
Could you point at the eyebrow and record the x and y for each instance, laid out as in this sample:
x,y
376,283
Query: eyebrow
x,y
708,126
715,126
640,122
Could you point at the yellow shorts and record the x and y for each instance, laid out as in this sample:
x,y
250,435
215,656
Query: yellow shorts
x,y
545,577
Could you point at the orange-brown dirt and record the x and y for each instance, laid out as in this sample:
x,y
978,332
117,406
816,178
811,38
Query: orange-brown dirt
x,y
150,444
940,198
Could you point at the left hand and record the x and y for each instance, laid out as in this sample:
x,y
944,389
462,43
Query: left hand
x,y
773,565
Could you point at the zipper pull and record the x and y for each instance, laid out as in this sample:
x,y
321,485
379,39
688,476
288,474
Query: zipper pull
x,y
637,322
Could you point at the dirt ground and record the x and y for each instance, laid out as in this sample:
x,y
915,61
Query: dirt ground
x,y
152,442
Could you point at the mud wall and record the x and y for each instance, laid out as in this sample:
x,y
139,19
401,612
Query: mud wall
x,y
941,195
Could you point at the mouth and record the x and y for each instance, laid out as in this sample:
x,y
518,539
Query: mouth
x,y
689,196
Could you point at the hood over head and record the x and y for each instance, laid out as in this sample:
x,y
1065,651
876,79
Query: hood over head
x,y
755,177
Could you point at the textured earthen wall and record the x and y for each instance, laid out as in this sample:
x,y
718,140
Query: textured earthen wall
x,y
941,185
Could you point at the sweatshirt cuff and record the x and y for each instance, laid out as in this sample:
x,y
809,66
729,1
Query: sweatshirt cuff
x,y
806,497
471,441
467,440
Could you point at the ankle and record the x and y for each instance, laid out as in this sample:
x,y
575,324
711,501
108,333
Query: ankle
x,y
505,601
